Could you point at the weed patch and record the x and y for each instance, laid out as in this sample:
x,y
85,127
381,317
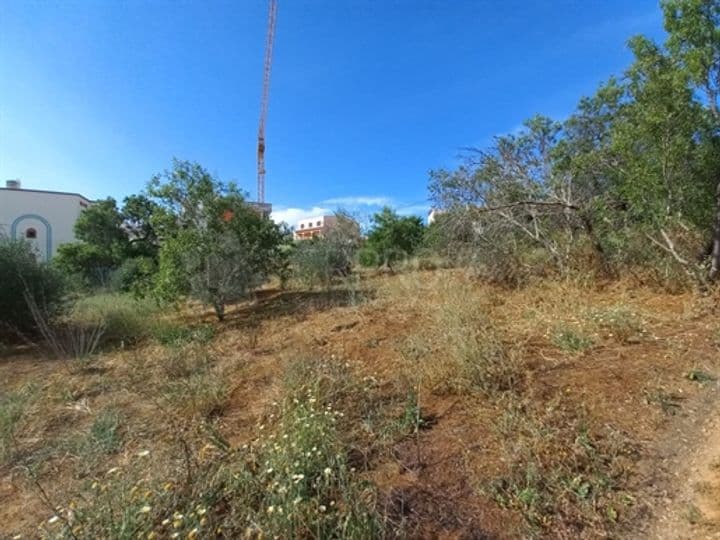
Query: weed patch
x,y
618,322
465,353
194,384
562,475
124,318
572,341
669,403
295,480
167,333
14,407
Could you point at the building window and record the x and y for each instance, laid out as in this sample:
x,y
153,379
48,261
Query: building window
x,y
302,225
319,223
31,233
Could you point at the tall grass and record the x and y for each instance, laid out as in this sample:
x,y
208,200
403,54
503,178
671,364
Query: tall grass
x,y
125,318
462,351
193,385
14,406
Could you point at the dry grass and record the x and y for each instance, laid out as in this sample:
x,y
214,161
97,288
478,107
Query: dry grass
x,y
439,404
461,351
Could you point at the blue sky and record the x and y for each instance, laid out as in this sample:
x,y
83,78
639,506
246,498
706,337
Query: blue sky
x,y
366,97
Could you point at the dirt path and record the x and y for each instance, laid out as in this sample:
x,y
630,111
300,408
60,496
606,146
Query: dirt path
x,y
690,508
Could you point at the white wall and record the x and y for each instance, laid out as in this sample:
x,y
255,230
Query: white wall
x,y
51,214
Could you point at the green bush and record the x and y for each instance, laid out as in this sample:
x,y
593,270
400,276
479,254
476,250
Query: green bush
x,y
85,263
368,257
392,238
125,319
21,273
134,275
318,261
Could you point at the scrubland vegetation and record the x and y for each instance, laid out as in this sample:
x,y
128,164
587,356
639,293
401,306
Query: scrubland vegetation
x,y
540,362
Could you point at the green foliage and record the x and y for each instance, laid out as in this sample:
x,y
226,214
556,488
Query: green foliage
x,y
109,237
693,28
317,261
175,335
21,274
102,246
630,177
171,281
215,247
572,341
392,238
85,262
138,213
101,225
104,433
135,275
124,318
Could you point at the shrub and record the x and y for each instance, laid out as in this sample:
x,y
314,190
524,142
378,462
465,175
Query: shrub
x,y
318,261
21,273
392,238
125,319
135,276
85,263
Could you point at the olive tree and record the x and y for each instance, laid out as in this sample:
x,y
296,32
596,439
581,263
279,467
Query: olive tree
x,y
214,246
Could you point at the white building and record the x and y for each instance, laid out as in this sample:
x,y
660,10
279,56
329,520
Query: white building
x,y
314,226
43,218
433,215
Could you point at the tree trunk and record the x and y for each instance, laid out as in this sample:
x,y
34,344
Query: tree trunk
x,y
598,250
715,255
220,311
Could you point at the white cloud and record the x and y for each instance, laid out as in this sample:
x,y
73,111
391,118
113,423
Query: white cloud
x,y
292,215
414,210
353,202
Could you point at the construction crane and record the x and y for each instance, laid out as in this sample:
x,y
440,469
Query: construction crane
x,y
272,14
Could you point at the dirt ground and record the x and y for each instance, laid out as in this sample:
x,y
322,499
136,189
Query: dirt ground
x,y
651,381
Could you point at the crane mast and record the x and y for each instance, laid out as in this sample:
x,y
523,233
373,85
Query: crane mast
x,y
272,14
